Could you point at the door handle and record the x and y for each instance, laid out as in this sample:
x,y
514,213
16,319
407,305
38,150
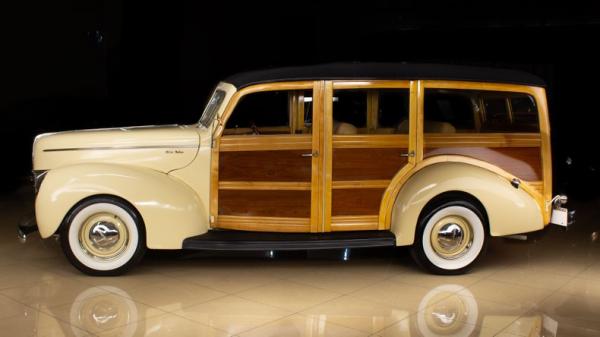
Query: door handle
x,y
408,154
314,154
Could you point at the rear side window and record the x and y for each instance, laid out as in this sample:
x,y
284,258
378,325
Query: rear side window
x,y
370,111
525,113
479,111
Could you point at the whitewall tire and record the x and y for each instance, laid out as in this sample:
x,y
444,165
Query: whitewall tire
x,y
450,237
103,236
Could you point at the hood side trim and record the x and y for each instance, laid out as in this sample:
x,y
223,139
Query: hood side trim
x,y
142,147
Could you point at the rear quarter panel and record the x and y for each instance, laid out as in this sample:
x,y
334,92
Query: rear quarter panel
x,y
509,210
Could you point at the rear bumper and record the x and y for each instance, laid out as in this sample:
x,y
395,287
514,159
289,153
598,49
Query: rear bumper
x,y
561,216
25,227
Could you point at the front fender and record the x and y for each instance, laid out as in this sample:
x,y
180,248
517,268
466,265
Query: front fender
x,y
510,210
171,210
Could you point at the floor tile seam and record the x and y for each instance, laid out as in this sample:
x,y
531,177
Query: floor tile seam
x,y
128,297
533,310
176,313
177,278
54,305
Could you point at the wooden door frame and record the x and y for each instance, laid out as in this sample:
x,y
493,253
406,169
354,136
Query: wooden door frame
x,y
369,141
312,143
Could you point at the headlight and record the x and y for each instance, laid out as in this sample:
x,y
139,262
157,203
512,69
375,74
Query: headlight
x,y
37,178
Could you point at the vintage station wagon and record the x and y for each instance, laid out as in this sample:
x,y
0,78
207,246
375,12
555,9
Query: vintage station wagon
x,y
317,157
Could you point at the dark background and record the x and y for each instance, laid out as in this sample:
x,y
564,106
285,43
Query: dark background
x,y
83,64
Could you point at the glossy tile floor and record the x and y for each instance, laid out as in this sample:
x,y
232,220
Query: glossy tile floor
x,y
546,286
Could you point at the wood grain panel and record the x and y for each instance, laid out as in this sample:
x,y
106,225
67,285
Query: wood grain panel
x,y
370,141
523,162
370,84
482,140
295,204
367,164
357,184
537,185
356,201
265,142
264,224
264,185
281,165
354,223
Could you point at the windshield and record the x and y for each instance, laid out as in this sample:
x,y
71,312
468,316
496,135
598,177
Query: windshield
x,y
212,107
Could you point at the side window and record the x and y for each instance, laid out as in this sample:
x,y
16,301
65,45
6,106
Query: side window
x,y
370,111
525,113
449,111
496,114
272,112
392,112
463,111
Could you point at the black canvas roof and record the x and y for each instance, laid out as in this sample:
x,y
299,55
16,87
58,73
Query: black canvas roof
x,y
384,71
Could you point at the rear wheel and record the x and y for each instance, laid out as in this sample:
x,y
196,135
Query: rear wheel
x,y
450,238
103,236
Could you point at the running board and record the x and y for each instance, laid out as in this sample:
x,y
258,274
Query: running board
x,y
253,241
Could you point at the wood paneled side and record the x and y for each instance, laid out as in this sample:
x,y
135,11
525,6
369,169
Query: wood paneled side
x,y
279,165
523,162
537,185
264,224
370,141
265,142
482,140
275,203
356,201
367,164
354,223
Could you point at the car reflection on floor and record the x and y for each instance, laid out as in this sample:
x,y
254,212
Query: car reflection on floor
x,y
111,311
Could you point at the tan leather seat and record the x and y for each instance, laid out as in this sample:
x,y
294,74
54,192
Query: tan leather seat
x,y
438,127
342,128
430,127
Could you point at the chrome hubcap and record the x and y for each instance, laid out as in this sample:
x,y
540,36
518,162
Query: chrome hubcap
x,y
451,237
103,236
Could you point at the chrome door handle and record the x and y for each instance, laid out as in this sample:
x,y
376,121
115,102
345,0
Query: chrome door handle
x,y
314,154
408,154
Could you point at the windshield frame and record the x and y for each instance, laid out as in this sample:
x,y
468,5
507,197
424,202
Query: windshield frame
x,y
212,107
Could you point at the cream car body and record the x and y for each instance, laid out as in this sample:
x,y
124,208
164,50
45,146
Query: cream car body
x,y
164,171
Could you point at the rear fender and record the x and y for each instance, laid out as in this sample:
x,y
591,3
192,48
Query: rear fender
x,y
510,210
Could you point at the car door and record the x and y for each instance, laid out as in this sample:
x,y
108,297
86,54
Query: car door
x,y
266,162
371,130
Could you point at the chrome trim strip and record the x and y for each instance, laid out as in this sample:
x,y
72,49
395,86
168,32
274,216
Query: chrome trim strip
x,y
143,147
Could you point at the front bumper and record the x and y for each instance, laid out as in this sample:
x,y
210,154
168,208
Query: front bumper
x,y
25,227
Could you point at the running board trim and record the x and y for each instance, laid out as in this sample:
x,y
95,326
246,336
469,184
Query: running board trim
x,y
258,241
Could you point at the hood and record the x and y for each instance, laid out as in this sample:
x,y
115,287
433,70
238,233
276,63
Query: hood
x,y
163,148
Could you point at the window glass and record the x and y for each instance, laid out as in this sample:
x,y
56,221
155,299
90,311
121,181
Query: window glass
x,y
393,109
450,111
212,107
496,114
272,112
370,111
349,111
525,113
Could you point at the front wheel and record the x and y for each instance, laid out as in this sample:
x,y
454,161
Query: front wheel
x,y
450,237
103,236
